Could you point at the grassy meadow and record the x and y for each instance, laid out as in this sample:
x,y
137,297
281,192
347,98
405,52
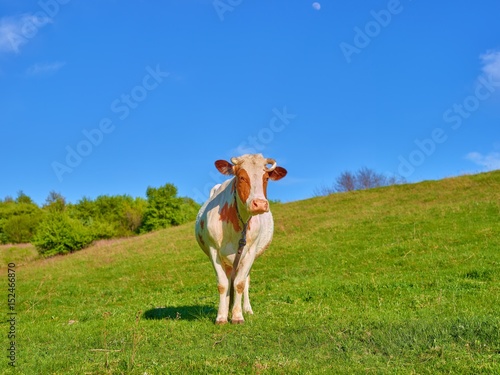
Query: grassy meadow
x,y
397,280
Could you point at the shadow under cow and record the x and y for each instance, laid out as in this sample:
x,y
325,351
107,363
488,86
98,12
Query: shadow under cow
x,y
191,312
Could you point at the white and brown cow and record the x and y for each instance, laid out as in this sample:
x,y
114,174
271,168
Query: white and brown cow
x,y
238,203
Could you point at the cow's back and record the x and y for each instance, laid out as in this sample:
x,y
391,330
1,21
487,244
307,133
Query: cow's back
x,y
207,223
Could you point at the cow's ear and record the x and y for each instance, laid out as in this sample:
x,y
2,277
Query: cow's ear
x,y
224,167
277,174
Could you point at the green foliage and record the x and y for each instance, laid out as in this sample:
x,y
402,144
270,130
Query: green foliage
x,y
165,209
23,198
20,228
18,220
110,216
132,214
60,234
102,218
55,202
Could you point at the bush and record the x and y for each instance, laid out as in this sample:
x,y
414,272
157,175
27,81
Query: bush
x,y
60,234
189,210
20,228
110,216
100,230
166,209
132,214
18,220
60,227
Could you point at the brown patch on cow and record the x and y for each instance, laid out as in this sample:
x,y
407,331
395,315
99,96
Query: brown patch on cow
x,y
200,239
228,269
228,214
243,184
240,286
202,224
221,289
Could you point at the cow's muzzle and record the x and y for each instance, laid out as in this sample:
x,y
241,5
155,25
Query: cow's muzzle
x,y
259,206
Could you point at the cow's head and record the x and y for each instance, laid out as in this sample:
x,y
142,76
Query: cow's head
x,y
251,175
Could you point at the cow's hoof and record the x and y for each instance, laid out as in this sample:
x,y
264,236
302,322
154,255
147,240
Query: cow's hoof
x,y
248,310
220,322
237,321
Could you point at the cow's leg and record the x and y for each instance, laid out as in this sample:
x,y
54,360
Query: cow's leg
x,y
247,308
222,286
241,283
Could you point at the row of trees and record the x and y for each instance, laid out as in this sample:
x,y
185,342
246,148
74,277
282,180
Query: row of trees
x,y
58,227
363,178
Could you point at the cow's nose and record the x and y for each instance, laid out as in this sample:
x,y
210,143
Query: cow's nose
x,y
259,206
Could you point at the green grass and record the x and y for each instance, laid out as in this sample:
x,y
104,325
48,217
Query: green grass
x,y
396,280
18,253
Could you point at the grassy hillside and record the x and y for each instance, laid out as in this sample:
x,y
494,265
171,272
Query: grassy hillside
x,y
403,279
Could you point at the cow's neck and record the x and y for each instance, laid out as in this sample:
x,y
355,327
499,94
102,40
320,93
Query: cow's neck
x,y
243,215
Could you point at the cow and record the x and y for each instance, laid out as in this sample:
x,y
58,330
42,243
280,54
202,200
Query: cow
x,y
236,219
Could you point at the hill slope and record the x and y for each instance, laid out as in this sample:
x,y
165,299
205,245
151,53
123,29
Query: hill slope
x,y
402,279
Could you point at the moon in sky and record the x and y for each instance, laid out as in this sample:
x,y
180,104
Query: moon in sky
x,y
316,5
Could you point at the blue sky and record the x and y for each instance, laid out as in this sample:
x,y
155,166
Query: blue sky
x,y
110,97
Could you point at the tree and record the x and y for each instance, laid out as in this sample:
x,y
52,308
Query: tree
x,y
23,198
163,208
367,179
166,209
364,178
55,202
345,182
